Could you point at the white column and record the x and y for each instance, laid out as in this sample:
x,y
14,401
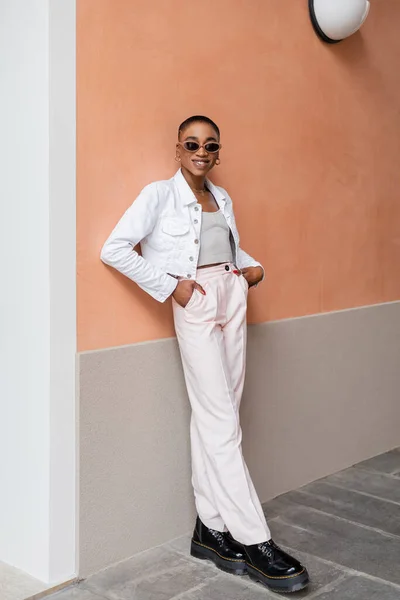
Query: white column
x,y
63,460
37,298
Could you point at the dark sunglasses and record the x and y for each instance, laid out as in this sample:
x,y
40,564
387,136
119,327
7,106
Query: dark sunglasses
x,y
210,147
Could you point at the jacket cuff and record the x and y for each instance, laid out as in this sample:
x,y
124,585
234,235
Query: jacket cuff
x,y
169,288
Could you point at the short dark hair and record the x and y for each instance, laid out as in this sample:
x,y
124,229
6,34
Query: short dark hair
x,y
198,119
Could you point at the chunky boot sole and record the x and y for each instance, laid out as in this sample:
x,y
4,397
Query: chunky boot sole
x,y
229,565
286,585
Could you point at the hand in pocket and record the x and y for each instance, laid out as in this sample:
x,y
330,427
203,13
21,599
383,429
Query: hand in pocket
x,y
185,290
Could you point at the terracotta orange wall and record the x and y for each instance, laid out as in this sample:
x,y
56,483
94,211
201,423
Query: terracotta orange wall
x,y
311,137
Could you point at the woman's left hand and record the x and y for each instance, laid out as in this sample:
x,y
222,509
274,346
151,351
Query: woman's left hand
x,y
253,275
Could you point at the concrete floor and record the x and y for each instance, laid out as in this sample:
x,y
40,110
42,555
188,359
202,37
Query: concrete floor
x,y
345,528
17,585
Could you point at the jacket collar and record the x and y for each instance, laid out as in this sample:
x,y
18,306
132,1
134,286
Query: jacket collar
x,y
187,195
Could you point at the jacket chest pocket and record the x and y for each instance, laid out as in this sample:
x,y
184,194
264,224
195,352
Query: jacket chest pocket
x,y
174,231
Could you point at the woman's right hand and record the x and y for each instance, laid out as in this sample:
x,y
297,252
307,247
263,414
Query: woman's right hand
x,y
184,291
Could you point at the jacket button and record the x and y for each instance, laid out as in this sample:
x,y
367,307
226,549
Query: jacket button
x,y
191,258
189,276
196,241
226,268
196,208
195,221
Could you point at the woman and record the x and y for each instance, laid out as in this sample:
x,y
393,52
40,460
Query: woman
x,y
190,251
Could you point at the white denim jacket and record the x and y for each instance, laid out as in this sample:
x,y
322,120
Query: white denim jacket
x,y
166,220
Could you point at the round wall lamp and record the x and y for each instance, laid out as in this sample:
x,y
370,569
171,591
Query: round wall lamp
x,y
334,20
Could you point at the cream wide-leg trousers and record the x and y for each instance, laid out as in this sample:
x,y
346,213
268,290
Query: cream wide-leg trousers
x,y
211,332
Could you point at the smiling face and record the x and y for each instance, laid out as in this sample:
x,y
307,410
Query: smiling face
x,y
201,162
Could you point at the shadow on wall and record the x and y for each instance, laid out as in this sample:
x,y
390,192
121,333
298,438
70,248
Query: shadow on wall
x,y
356,58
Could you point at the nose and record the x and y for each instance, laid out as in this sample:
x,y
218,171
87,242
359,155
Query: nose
x,y
201,151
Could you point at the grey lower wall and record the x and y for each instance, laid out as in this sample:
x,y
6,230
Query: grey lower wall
x,y
322,393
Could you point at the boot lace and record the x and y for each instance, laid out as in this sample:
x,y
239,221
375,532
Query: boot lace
x,y
267,548
218,535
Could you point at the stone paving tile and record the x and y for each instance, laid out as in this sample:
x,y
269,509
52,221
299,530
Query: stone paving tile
x,y
277,506
180,544
339,541
152,575
376,484
359,588
389,462
228,587
76,592
347,504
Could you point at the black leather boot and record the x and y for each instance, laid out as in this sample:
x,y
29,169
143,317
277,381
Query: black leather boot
x,y
223,551
277,570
